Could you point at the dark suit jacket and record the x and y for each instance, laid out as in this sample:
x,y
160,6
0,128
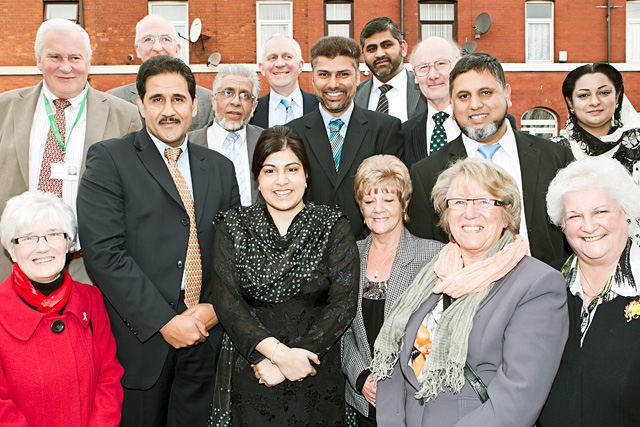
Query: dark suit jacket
x,y
416,103
261,114
415,137
199,137
356,354
134,232
515,346
107,117
368,133
539,161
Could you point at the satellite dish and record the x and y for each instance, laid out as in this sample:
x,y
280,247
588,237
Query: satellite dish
x,y
468,47
196,29
214,59
482,24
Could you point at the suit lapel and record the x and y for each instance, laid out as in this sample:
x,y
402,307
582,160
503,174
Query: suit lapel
x,y
529,158
199,181
22,122
309,102
97,115
456,150
150,158
252,139
413,95
362,93
356,134
319,145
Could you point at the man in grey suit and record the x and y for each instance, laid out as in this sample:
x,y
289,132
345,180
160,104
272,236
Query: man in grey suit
x,y
339,135
235,90
63,53
156,36
391,89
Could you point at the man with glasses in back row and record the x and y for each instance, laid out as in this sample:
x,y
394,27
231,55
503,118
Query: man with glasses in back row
x,y
234,99
156,36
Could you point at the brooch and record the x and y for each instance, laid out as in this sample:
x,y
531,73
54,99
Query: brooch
x,y
632,310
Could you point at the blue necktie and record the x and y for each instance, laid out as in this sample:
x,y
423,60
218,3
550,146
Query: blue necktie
x,y
232,153
487,151
336,140
289,114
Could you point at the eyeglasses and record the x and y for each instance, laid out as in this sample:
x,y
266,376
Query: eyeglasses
x,y
480,204
441,66
32,240
228,95
151,40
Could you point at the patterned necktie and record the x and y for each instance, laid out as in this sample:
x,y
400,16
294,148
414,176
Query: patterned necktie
x,y
232,153
287,105
336,140
383,102
439,136
487,151
193,265
53,152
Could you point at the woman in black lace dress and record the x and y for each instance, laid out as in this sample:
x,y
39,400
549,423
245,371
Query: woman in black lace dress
x,y
285,289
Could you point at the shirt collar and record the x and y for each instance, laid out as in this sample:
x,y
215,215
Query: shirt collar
x,y
398,82
161,146
507,143
275,98
221,133
345,116
75,101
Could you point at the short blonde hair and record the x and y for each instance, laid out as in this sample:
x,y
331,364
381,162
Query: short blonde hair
x,y
385,173
493,178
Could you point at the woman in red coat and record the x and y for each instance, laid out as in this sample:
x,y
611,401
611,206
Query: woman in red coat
x,y
58,365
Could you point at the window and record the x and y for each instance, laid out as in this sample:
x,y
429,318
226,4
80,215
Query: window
x,y
539,122
633,31
58,9
437,18
539,30
338,18
273,17
177,13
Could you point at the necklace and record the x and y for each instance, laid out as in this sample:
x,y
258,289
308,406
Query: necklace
x,y
375,275
586,282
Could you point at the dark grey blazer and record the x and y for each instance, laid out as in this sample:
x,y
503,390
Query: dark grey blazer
x,y
368,133
416,103
356,355
540,159
203,116
199,137
515,346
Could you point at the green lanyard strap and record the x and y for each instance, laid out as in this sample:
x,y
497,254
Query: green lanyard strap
x,y
54,125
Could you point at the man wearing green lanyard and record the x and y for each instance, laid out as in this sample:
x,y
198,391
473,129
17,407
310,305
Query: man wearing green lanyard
x,y
47,129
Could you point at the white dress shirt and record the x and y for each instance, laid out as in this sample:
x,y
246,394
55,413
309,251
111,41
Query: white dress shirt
x,y
216,136
397,96
278,112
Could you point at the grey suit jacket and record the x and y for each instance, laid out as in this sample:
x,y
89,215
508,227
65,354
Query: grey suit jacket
x,y
199,137
356,356
204,115
515,346
416,103
107,117
540,159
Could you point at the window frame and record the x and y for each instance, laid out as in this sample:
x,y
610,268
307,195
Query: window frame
x,y
453,23
47,3
631,47
328,23
259,23
549,21
185,44
538,127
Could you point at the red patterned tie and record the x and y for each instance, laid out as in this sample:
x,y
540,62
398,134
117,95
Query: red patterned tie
x,y
193,266
53,152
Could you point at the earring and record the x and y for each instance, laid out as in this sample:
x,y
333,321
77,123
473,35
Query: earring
x,y
305,185
571,110
258,188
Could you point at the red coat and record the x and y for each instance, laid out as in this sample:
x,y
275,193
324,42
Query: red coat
x,y
65,379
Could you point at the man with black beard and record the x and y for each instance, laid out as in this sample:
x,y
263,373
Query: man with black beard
x,y
392,89
339,135
481,98
234,99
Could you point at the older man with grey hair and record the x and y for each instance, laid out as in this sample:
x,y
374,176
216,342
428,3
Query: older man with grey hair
x,y
234,99
156,36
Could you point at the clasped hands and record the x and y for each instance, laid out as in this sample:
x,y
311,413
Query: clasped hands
x,y
191,327
293,364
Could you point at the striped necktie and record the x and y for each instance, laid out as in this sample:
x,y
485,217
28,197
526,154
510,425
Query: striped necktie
x,y
336,140
383,102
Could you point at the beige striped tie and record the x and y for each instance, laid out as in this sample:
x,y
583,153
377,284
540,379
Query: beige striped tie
x,y
193,265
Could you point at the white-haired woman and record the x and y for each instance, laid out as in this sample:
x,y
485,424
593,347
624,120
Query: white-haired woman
x,y
58,365
597,203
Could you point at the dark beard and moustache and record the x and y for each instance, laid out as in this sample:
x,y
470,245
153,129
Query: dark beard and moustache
x,y
485,132
393,67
